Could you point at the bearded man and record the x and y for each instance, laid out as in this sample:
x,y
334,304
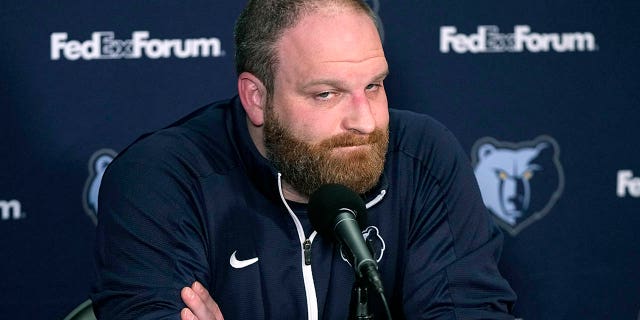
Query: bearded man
x,y
208,217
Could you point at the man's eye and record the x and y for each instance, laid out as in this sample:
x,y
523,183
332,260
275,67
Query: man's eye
x,y
373,86
324,95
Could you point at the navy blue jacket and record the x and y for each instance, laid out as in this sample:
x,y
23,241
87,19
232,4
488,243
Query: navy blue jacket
x,y
197,201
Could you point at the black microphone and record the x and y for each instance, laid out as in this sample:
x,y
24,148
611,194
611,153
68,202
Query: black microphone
x,y
336,211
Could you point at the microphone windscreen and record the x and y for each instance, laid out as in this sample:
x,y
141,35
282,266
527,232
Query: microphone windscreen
x,y
329,201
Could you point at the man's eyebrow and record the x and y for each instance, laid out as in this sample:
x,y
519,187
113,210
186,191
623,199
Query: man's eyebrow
x,y
328,82
338,84
381,75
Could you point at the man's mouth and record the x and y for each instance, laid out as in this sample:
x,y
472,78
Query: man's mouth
x,y
352,148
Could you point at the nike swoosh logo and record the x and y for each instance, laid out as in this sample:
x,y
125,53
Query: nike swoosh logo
x,y
239,264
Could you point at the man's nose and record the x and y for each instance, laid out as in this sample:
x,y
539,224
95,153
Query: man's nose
x,y
359,115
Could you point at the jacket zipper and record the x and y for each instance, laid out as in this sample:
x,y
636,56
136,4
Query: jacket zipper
x,y
305,247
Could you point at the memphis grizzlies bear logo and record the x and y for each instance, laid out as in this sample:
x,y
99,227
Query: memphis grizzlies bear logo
x,y
97,165
520,182
374,241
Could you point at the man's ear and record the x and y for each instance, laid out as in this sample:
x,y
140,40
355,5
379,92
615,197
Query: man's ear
x,y
253,95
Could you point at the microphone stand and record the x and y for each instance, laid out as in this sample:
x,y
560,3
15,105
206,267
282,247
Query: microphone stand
x,y
359,306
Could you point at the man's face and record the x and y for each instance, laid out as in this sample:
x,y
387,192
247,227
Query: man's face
x,y
328,119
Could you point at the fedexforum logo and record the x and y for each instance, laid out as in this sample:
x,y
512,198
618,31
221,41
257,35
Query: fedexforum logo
x,y
104,45
488,39
627,184
11,210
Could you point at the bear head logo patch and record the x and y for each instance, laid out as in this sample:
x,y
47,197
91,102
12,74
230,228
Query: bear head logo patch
x,y
97,165
374,241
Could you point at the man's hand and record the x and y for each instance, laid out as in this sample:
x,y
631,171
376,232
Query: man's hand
x,y
200,305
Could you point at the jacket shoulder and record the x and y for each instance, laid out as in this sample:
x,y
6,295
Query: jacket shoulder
x,y
198,143
422,137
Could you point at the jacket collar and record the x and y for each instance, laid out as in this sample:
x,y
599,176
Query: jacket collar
x,y
258,168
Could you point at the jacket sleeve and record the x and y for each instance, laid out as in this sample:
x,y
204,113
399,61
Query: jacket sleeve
x,y
453,246
150,240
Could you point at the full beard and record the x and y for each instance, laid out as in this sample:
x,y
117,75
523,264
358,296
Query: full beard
x,y
308,166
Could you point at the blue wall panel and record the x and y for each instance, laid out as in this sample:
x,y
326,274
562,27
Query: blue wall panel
x,y
490,71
